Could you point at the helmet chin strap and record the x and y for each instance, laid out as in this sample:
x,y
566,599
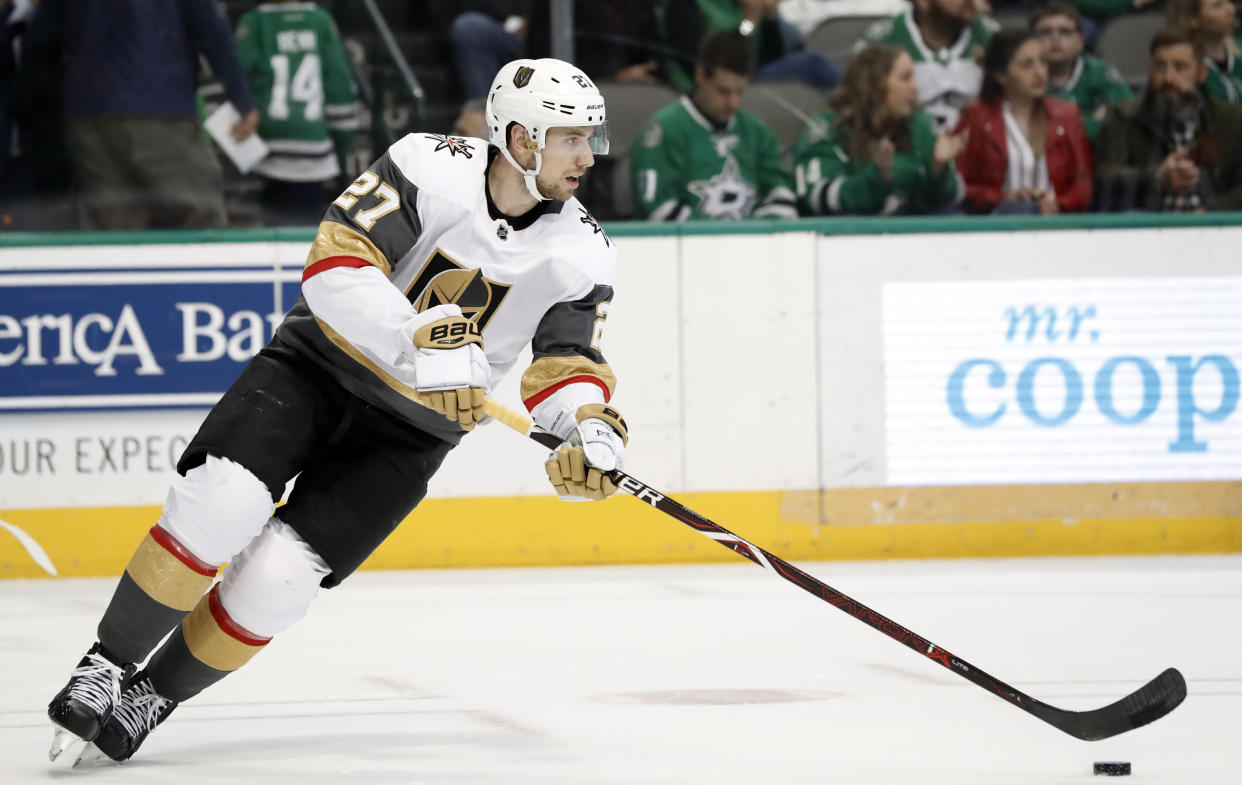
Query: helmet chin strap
x,y
528,175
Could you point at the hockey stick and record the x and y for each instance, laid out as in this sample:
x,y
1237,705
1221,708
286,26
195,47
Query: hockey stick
x,y
1147,704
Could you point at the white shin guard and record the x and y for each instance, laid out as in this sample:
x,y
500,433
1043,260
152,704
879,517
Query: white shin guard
x,y
215,509
271,584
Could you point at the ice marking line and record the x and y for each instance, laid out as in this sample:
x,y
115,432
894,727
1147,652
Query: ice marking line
x,y
33,548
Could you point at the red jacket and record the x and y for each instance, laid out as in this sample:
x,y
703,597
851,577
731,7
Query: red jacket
x,y
986,157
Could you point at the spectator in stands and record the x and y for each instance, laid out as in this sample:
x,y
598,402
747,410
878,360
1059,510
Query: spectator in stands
x,y
780,56
471,120
614,40
1086,80
874,151
703,157
1174,149
611,39
945,38
296,65
1027,152
35,187
484,37
11,16
1210,23
139,155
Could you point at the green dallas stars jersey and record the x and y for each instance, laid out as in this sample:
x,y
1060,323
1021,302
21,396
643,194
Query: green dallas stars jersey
x,y
1093,85
682,167
947,78
295,63
1225,83
829,182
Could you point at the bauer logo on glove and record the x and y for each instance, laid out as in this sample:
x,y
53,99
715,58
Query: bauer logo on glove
x,y
450,371
447,333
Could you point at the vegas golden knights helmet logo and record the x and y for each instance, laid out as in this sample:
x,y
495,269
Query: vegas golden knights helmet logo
x,y
443,281
523,75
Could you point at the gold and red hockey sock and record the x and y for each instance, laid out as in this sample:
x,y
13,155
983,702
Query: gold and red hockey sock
x,y
208,646
161,583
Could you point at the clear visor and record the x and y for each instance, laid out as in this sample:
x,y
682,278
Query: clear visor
x,y
575,140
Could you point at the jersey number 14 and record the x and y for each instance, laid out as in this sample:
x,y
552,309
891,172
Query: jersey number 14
x,y
305,86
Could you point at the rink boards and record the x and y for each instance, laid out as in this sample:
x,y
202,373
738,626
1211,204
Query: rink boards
x,y
916,393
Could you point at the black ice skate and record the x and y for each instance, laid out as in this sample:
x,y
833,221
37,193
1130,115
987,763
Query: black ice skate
x,y
83,707
136,714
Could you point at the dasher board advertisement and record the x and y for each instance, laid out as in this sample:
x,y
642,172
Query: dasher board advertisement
x,y
135,335
1062,380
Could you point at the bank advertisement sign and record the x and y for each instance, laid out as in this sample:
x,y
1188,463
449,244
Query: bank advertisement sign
x,y
78,339
1062,380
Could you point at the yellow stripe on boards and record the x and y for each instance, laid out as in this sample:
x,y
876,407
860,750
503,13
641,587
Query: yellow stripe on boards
x,y
877,523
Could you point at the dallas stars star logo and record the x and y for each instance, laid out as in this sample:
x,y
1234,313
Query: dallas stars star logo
x,y
454,144
590,221
727,196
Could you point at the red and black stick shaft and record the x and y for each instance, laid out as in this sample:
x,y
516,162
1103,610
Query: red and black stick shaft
x,y
1145,705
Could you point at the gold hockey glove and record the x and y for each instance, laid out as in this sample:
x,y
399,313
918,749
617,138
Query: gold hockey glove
x,y
451,372
579,469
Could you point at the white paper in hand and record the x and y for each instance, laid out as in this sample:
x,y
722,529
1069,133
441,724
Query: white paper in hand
x,y
244,154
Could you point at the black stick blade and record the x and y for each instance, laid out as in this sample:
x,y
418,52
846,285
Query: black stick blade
x,y
1145,705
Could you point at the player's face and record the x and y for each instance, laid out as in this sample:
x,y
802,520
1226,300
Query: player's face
x,y
1061,38
902,93
718,96
1026,76
1215,17
1174,71
566,157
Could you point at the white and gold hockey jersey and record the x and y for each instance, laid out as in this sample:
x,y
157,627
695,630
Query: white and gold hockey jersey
x,y
418,229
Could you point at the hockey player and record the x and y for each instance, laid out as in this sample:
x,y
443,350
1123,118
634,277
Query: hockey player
x,y
296,65
427,276
704,157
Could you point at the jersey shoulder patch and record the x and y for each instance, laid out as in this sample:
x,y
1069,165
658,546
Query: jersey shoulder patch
x,y
879,30
588,221
448,166
818,129
578,238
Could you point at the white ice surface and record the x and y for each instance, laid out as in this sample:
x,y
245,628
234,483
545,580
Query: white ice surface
x,y
690,674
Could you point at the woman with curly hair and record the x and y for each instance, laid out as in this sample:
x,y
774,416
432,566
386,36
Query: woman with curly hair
x,y
873,151
1210,24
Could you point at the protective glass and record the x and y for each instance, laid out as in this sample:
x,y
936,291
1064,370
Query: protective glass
x,y
574,140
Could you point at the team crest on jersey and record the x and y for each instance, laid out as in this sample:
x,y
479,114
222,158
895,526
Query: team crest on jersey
x,y
454,144
590,221
727,196
443,281
523,75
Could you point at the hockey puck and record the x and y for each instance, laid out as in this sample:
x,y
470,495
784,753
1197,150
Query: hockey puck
x,y
1113,768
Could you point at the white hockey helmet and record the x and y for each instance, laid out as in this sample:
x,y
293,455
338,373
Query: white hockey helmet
x,y
538,95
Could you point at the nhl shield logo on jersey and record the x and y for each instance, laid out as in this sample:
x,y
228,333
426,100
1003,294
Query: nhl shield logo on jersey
x,y
443,281
523,75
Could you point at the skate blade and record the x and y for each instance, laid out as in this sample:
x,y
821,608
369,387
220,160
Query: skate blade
x,y
90,756
61,741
